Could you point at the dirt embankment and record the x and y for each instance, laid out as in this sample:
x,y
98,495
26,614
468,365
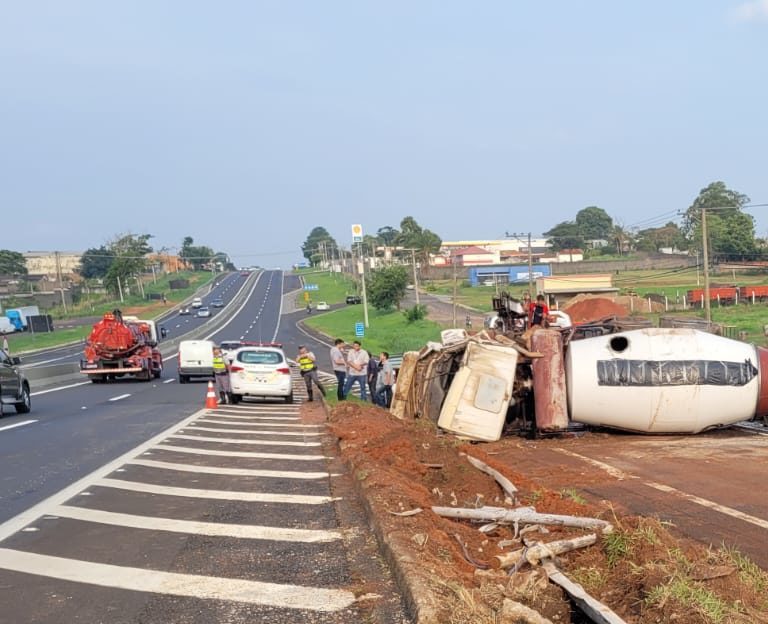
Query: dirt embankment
x,y
642,570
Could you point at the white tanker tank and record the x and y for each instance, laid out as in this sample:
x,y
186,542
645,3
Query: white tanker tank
x,y
665,380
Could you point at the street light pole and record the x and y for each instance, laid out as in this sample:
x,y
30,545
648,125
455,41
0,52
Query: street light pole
x,y
415,276
362,283
705,253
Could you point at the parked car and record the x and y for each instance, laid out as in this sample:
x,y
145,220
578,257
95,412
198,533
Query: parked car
x,y
184,311
203,312
195,359
322,305
217,303
260,371
352,299
14,387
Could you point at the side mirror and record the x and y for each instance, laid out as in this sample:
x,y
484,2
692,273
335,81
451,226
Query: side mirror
x,y
16,360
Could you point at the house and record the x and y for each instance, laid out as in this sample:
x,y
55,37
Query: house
x,y
473,256
564,255
560,288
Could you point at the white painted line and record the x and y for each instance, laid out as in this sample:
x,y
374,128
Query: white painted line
x,y
120,397
239,441
242,337
18,424
236,472
170,583
18,522
74,385
614,472
215,529
280,311
167,381
263,419
189,450
251,497
242,424
255,431
728,511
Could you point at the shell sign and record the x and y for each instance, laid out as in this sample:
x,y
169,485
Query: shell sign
x,y
357,233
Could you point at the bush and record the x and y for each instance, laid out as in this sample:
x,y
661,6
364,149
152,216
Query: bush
x,y
416,313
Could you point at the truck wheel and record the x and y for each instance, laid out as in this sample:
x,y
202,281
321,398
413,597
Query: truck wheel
x,y
289,398
25,405
97,379
236,398
157,373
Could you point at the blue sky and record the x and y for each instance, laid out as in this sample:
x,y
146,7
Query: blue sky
x,y
245,124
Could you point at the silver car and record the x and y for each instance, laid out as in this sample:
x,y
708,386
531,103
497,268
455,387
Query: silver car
x,y
203,312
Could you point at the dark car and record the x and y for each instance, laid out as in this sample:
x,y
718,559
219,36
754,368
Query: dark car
x,y
14,387
217,303
351,299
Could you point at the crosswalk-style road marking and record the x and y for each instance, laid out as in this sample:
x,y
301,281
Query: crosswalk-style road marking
x,y
301,434
190,585
250,497
255,442
251,454
234,472
237,423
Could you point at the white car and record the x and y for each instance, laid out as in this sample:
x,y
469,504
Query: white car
x,y
203,312
260,371
322,305
197,302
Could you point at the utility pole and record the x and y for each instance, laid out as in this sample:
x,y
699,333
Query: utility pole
x,y
415,275
705,252
530,265
61,281
362,280
120,289
454,292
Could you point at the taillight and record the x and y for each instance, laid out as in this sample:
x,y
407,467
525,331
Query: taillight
x,y
236,369
284,371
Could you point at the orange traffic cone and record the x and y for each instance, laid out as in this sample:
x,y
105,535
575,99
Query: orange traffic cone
x,y
211,402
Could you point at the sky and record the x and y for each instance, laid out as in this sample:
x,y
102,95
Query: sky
x,y
245,124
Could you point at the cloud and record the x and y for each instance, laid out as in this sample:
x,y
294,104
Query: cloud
x,y
753,11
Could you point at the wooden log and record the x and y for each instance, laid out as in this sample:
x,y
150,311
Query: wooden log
x,y
535,554
523,515
593,608
513,612
505,484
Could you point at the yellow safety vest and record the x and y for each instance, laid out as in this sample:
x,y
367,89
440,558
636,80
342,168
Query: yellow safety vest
x,y
306,363
219,365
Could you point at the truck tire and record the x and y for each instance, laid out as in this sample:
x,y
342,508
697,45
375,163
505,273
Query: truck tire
x,y
157,373
25,405
236,398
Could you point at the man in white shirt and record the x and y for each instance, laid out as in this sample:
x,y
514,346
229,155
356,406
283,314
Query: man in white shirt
x,y
339,367
357,361
384,381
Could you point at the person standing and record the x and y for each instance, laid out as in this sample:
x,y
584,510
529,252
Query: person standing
x,y
308,369
357,360
372,374
384,381
538,312
5,345
221,375
339,367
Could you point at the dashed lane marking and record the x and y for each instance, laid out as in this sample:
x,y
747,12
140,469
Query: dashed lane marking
x,y
18,424
167,381
240,441
171,583
305,434
235,472
250,454
728,511
120,397
250,497
214,529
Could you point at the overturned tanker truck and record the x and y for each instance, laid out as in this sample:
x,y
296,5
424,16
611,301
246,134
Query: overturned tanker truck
x,y
647,380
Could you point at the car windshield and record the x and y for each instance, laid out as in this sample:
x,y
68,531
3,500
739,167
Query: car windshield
x,y
259,357
229,346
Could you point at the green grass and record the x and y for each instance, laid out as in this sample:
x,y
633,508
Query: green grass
x,y
332,287
21,343
388,331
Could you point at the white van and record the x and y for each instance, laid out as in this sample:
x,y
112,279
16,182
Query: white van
x,y
195,359
197,302
6,327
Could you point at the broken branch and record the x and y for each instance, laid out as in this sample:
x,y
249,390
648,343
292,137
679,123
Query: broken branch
x,y
540,551
505,483
523,515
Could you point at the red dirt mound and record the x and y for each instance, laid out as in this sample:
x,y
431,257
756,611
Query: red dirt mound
x,y
583,309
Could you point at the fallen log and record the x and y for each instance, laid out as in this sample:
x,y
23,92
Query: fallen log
x,y
593,608
512,612
505,484
523,515
539,551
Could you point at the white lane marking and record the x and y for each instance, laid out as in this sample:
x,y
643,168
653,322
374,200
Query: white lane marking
x,y
614,472
255,431
167,381
120,397
18,522
171,583
178,325
237,472
18,424
251,497
248,424
728,511
56,359
189,450
240,441
74,385
215,529
280,311
263,419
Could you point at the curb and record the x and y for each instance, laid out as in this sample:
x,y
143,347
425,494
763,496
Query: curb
x,y
415,596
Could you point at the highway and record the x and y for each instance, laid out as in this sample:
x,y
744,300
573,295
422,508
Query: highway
x,y
127,502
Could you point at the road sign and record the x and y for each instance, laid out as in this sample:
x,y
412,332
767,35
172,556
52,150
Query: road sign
x,y
359,330
311,287
306,296
357,233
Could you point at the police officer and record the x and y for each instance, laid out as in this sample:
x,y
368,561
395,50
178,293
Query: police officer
x,y
308,369
221,374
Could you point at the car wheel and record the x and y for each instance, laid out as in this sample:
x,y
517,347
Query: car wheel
x,y
236,398
182,379
289,398
25,405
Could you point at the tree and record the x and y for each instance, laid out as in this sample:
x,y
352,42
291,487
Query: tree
x,y
387,235
130,259
653,239
594,223
387,287
730,230
12,263
413,236
318,241
565,235
95,262
196,255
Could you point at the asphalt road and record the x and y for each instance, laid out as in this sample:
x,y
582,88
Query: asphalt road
x,y
127,502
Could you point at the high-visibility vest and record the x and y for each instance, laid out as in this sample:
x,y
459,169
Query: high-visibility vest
x,y
218,364
306,363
